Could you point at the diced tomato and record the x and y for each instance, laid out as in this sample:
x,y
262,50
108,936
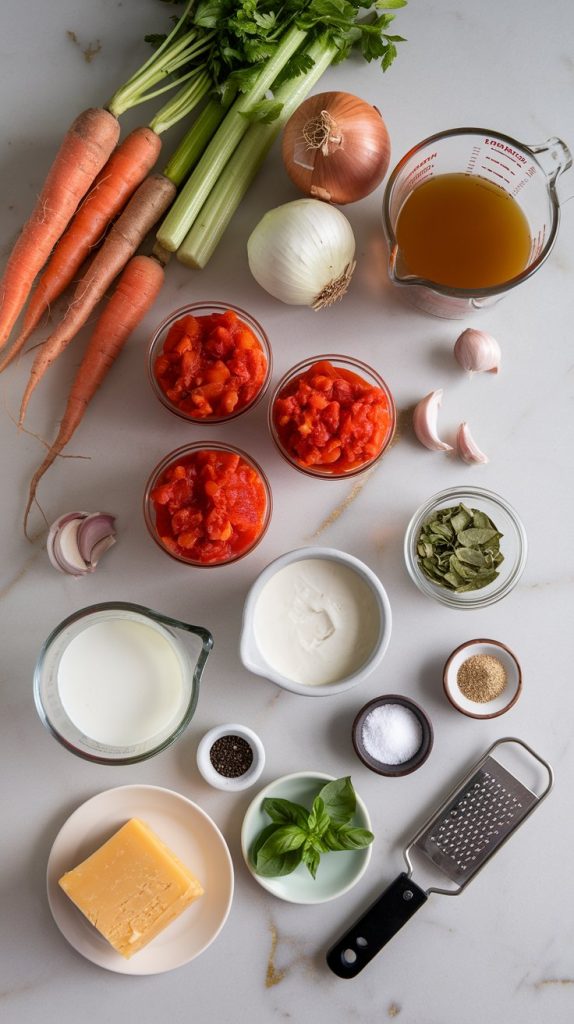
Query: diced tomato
x,y
217,349
331,419
210,506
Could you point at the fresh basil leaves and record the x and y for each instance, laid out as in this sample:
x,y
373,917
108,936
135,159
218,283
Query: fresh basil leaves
x,y
298,836
459,548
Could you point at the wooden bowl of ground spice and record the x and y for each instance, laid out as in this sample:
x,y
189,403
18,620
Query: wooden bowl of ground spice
x,y
482,678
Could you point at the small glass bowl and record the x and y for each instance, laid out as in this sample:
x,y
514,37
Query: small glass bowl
x,y
513,546
403,767
175,456
205,309
362,370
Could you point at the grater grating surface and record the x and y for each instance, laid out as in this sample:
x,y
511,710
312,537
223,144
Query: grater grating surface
x,y
468,829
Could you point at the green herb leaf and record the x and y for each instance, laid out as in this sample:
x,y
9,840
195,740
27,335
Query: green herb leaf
x,y
339,799
311,858
285,812
474,537
261,839
281,851
349,838
319,820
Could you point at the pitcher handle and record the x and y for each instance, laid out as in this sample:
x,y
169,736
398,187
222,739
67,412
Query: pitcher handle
x,y
553,156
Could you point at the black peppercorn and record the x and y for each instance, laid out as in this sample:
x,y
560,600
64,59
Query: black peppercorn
x,y
231,756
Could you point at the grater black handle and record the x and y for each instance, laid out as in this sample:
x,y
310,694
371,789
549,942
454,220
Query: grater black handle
x,y
383,919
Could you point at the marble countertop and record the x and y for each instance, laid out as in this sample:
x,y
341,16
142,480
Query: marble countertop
x,y
503,951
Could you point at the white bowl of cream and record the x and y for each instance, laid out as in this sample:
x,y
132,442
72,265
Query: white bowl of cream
x,y
316,621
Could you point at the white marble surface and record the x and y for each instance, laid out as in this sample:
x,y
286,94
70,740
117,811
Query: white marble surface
x,y
503,951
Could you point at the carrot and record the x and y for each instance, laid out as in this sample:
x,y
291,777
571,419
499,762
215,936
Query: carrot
x,y
144,209
117,181
84,151
135,293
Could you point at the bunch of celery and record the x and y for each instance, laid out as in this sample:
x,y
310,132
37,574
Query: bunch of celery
x,y
295,42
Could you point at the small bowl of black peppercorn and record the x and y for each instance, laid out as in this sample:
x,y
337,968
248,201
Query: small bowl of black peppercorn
x,y
230,757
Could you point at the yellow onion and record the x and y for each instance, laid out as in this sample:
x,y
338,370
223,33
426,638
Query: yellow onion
x,y
336,147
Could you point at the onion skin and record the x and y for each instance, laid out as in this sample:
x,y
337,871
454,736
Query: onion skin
x,y
352,153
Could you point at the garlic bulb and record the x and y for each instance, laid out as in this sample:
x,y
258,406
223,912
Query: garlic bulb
x,y
425,422
77,540
477,351
467,447
303,253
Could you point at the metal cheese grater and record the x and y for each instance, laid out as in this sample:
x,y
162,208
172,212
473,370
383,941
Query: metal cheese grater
x,y
477,817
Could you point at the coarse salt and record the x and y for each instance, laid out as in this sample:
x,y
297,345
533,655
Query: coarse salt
x,y
392,734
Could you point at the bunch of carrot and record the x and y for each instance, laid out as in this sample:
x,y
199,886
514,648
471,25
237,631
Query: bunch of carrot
x,y
92,182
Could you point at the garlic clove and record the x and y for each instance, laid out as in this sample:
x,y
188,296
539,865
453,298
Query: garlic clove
x,y
99,549
65,549
425,422
92,531
477,351
77,540
467,447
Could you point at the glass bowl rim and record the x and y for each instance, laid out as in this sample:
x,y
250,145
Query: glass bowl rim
x,y
450,598
206,306
356,363
186,449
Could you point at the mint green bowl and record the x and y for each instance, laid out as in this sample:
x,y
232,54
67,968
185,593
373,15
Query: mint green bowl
x,y
337,872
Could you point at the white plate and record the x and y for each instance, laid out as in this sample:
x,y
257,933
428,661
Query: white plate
x,y
192,836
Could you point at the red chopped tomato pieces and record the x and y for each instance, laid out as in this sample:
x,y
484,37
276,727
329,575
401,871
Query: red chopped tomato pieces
x,y
331,419
210,506
211,366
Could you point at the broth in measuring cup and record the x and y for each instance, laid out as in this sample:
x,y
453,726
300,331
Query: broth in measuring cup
x,y
463,231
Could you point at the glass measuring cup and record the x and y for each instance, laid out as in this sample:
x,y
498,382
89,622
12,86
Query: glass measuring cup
x,y
527,173
186,647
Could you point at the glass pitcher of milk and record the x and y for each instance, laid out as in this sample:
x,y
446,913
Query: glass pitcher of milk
x,y
116,683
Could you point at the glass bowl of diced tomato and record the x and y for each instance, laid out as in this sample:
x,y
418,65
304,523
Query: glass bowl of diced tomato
x,y
209,362
332,416
207,504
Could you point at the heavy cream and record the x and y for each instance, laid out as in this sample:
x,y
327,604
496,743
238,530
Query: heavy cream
x,y
121,682
316,621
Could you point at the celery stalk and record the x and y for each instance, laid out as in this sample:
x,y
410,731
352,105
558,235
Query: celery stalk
x,y
232,129
240,171
182,162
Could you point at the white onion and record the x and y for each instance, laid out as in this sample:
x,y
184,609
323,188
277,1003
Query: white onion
x,y
303,253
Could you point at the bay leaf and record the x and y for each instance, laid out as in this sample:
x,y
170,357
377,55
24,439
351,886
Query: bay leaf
x,y
472,556
472,537
460,520
480,520
466,572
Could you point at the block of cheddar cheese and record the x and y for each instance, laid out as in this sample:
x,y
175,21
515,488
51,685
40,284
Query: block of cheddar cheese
x,y
131,887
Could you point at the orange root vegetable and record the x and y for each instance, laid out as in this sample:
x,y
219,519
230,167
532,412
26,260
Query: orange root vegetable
x,y
84,151
144,209
127,167
135,293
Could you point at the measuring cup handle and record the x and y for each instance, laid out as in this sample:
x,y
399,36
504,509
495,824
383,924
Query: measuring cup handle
x,y
383,919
